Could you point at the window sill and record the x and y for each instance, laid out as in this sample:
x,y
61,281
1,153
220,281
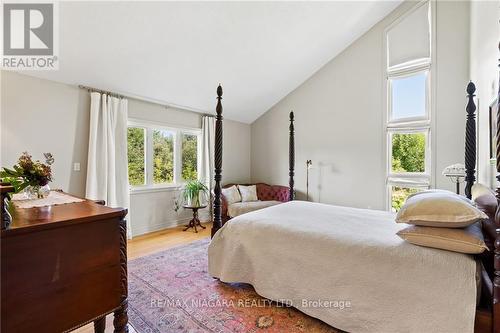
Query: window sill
x,y
153,189
409,182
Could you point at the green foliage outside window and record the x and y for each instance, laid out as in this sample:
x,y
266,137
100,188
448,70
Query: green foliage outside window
x,y
408,152
135,137
399,195
408,155
189,157
163,157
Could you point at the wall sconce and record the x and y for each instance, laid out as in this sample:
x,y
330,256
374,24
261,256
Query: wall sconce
x,y
456,173
308,166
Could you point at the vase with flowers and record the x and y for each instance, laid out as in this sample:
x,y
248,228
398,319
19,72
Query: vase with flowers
x,y
29,176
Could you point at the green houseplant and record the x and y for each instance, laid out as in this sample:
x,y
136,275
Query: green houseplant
x,y
194,193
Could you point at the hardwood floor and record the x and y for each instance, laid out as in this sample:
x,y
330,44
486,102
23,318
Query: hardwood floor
x,y
150,243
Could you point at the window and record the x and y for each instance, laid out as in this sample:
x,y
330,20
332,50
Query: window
x,y
408,97
136,162
408,111
161,156
399,196
408,152
189,157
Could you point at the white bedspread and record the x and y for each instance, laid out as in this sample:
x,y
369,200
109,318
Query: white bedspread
x,y
306,252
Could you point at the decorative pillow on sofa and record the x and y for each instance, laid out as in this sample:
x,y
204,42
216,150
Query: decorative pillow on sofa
x,y
248,193
231,194
468,240
479,190
439,209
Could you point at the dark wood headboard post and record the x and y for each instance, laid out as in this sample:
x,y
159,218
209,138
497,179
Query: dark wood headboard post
x,y
496,262
218,164
470,141
291,158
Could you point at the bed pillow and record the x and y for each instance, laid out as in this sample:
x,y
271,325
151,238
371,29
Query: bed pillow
x,y
248,193
439,209
444,192
231,194
468,240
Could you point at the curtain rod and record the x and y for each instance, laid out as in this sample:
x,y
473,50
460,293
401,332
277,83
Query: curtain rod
x,y
90,89
144,99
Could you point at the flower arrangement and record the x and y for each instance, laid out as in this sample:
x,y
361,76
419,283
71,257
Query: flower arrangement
x,y
29,174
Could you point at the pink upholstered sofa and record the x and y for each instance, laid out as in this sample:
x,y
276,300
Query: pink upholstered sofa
x,y
268,195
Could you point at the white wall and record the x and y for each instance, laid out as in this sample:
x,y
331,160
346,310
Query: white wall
x,y
452,69
484,37
39,115
339,117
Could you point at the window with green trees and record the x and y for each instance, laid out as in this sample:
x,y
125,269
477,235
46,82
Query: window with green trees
x,y
408,152
163,157
399,195
159,155
189,157
408,81
136,162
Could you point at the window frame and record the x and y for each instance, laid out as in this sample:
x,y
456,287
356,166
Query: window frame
x,y
426,174
405,73
149,127
418,124
145,135
196,133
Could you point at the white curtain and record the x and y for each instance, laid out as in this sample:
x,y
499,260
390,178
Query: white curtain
x,y
207,153
107,167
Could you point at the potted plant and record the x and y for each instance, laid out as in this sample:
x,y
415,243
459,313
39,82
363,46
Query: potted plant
x,y
30,176
195,193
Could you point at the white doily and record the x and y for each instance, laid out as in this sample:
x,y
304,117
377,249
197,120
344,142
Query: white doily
x,y
54,198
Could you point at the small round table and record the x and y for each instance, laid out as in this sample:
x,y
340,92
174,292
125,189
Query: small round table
x,y
195,221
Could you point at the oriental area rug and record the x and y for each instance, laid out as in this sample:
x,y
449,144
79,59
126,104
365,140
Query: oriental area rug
x,y
172,292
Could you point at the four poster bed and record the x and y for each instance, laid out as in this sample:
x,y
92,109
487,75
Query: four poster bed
x,y
353,256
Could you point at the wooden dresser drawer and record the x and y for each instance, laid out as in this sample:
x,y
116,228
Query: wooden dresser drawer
x,y
59,275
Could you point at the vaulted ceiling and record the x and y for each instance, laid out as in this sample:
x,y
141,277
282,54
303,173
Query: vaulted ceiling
x,y
177,52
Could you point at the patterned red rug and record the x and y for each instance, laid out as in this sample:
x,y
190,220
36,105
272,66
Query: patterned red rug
x,y
171,292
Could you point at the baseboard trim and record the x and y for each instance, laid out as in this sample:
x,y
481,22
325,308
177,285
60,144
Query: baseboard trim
x,y
141,230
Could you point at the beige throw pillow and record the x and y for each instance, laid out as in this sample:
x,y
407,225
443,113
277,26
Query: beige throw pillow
x,y
248,193
479,189
439,209
231,194
468,240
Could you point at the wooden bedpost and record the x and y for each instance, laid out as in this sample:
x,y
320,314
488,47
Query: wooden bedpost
x,y
470,141
218,164
5,218
496,260
291,158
